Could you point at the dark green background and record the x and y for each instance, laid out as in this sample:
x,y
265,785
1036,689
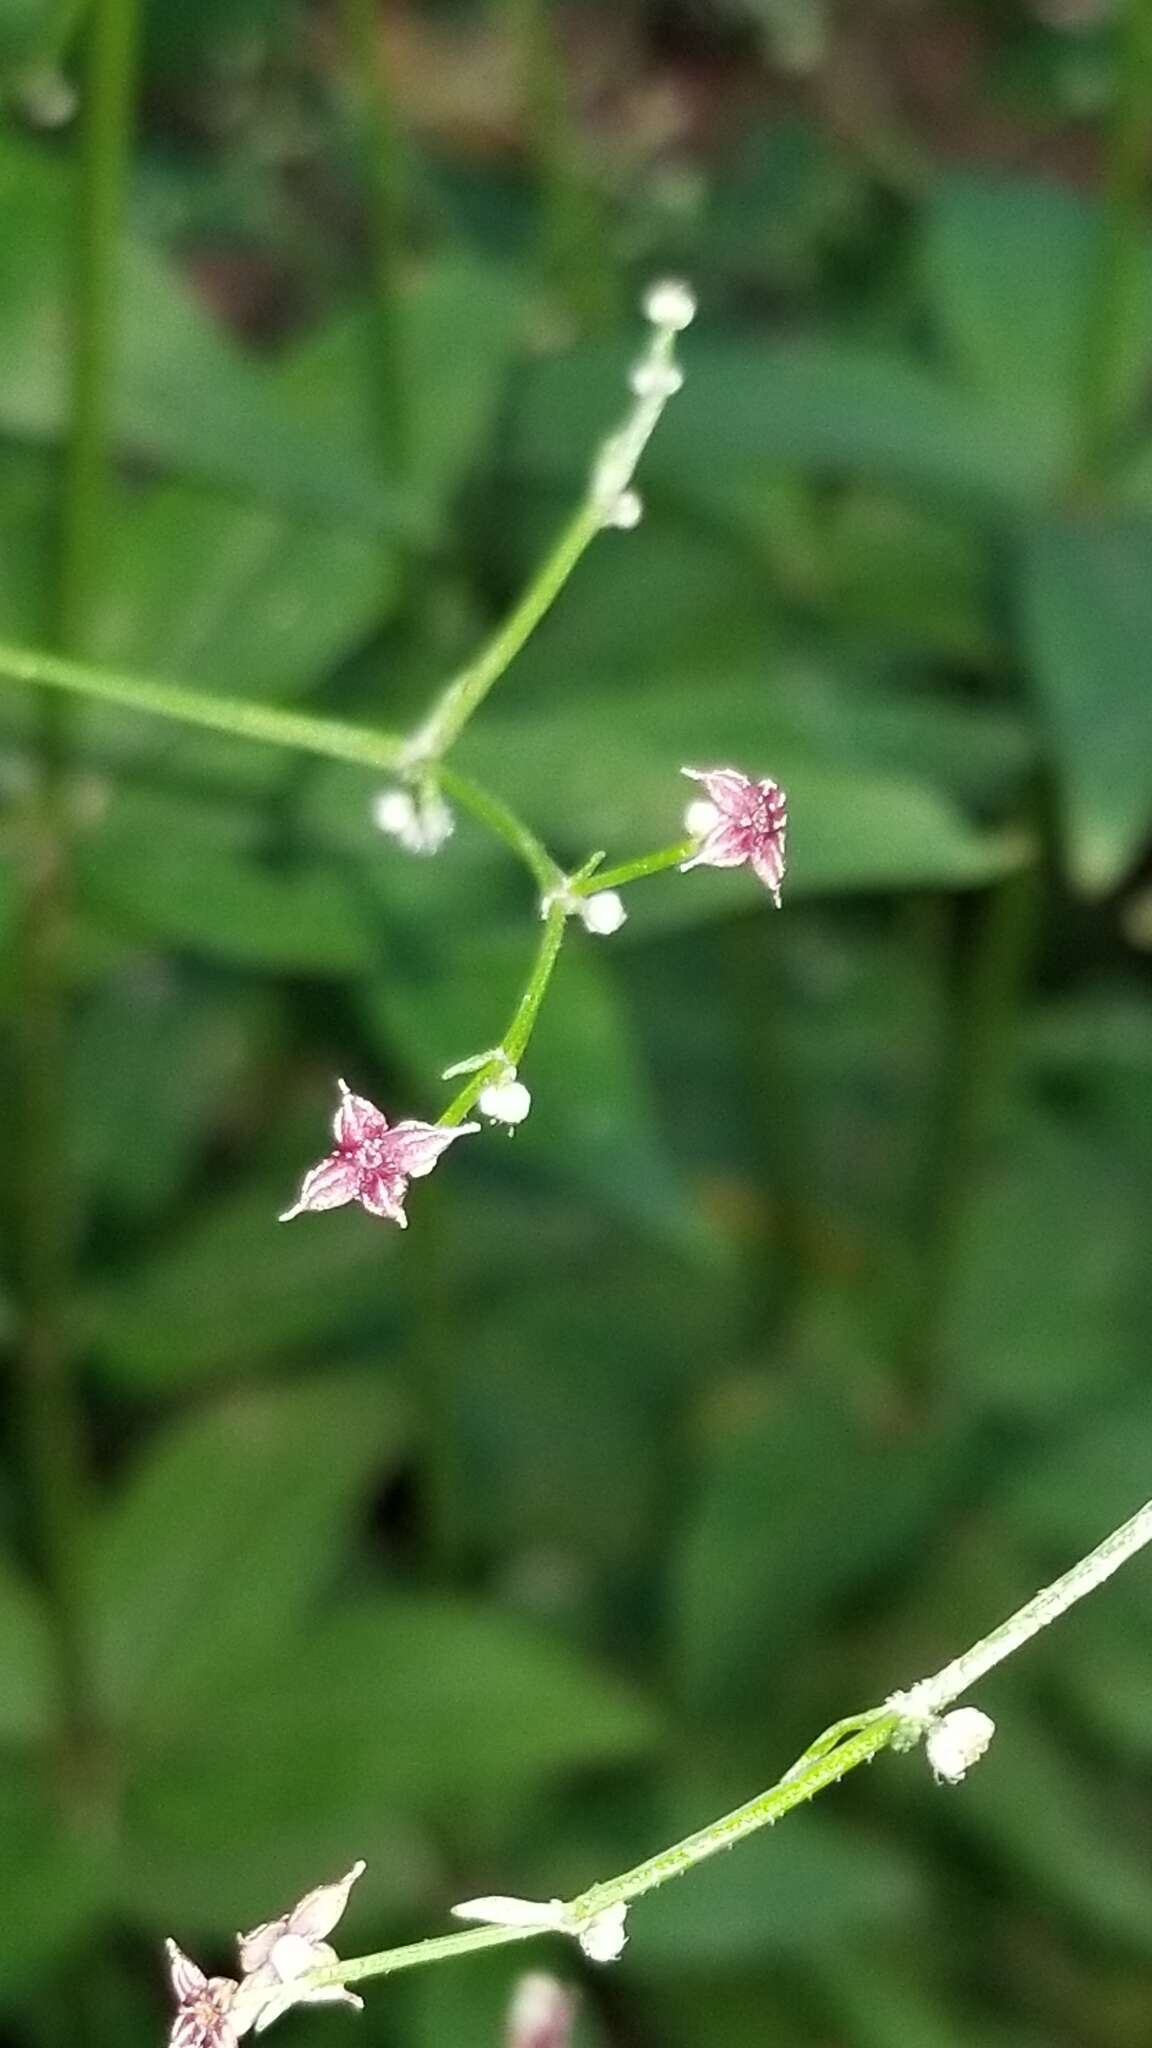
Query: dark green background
x,y
803,1331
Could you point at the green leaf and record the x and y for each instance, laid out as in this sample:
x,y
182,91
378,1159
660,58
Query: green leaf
x,y
185,397
786,1893
226,1534
852,825
239,598
769,1548
1087,609
1072,1840
234,1288
209,886
1011,267
829,406
1051,1299
391,1711
57,1883
154,1050
26,1657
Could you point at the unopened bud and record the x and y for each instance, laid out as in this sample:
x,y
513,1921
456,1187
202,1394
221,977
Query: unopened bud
x,y
541,2013
505,1102
626,511
670,304
958,1741
651,379
603,913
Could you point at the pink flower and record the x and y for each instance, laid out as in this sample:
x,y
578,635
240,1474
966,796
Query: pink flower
x,y
275,1956
741,821
203,2005
373,1161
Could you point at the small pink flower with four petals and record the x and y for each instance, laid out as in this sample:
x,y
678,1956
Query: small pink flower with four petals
x,y
203,2005
741,821
373,1161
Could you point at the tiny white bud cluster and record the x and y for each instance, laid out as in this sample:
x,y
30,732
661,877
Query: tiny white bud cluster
x,y
419,823
669,307
956,1742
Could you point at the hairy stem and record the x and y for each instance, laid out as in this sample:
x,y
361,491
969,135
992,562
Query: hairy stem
x,y
842,1748
522,1022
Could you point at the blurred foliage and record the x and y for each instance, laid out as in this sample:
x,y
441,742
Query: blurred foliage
x,y
804,1328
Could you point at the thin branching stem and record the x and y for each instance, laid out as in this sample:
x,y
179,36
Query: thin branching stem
x,y
898,1724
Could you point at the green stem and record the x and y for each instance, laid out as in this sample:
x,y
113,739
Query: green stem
x,y
109,89
575,253
654,383
636,870
52,1418
522,1022
505,825
237,718
1120,272
466,692
373,87
899,1724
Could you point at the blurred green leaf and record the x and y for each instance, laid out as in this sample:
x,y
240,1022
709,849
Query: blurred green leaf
x,y
1087,609
853,827
388,1711
154,1051
786,1893
1010,269
214,883
186,398
1073,1840
233,1288
225,1535
1051,1300
26,1656
770,1548
57,1881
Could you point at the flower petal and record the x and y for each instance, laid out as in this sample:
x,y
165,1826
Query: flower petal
x,y
356,1119
320,1909
498,1911
255,1948
416,1147
727,788
330,1185
187,1977
382,1194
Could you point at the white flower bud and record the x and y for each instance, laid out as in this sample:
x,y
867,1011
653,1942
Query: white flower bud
x,y
603,913
626,511
505,1102
958,1741
700,817
603,1938
420,823
650,379
394,812
670,304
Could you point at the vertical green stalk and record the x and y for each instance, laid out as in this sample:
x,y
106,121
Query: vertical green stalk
x,y
1119,279
108,88
374,95
977,1065
52,1420
574,250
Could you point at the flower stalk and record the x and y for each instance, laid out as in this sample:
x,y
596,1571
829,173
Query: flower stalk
x,y
903,1721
